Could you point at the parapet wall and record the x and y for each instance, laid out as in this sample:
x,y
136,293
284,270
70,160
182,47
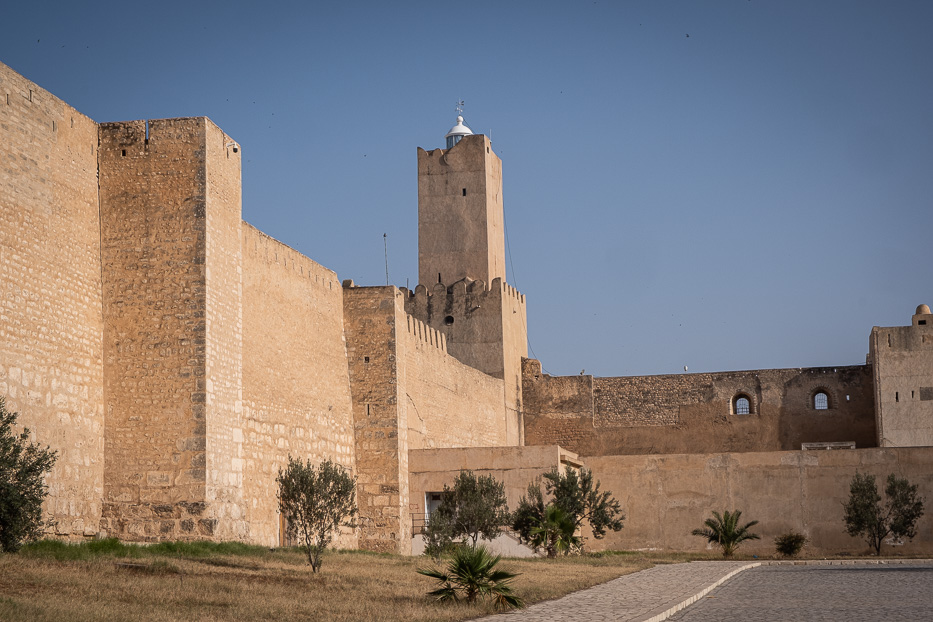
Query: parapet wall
x,y
666,497
51,356
296,385
695,413
485,328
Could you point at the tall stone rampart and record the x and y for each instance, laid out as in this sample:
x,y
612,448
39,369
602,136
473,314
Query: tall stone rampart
x,y
51,355
296,386
153,189
373,318
695,413
223,323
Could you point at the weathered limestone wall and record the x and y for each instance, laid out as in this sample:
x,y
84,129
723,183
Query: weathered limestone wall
x,y
485,329
295,379
51,356
223,310
515,467
692,413
446,403
666,497
153,235
902,359
460,219
373,318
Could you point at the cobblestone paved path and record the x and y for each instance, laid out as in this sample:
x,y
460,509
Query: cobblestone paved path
x,y
849,592
647,595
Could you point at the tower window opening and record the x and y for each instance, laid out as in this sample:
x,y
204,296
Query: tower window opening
x,y
449,320
124,153
464,192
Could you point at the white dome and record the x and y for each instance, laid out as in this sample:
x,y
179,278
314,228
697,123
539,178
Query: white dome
x,y
459,130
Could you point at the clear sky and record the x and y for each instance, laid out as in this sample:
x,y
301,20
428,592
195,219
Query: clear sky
x,y
725,185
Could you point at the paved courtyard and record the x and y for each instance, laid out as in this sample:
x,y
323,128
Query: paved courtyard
x,y
853,592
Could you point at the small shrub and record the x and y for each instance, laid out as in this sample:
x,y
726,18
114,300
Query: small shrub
x,y
316,501
866,516
790,544
475,507
23,466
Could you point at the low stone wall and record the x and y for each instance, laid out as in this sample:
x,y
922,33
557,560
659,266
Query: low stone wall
x,y
666,497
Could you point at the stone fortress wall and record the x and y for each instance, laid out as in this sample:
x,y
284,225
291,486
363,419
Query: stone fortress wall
x,y
175,357
51,354
694,413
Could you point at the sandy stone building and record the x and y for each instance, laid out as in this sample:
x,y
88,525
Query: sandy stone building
x,y
175,356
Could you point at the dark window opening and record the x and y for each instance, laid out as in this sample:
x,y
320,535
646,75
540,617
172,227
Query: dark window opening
x,y
449,320
439,278
365,359
897,397
464,192
922,322
124,153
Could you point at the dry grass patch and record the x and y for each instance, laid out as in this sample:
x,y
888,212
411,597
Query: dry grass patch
x,y
135,583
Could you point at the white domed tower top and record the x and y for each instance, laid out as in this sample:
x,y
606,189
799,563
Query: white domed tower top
x,y
458,131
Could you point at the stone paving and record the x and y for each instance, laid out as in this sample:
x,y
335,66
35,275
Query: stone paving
x,y
850,592
761,591
647,596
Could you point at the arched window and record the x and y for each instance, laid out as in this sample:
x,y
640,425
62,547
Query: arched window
x,y
741,405
820,400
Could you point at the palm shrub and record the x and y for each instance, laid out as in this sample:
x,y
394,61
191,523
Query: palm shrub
x,y
790,544
554,531
726,532
471,574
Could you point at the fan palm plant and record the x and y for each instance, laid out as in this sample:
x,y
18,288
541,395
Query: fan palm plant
x,y
555,532
725,531
472,574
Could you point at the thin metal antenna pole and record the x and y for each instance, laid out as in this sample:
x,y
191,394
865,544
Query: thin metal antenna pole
x,y
385,245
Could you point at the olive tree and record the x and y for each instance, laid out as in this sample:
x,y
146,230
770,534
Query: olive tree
x,y
579,497
867,516
316,501
474,507
23,466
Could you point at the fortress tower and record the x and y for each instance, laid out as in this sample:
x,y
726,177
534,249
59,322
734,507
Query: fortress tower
x,y
460,226
461,262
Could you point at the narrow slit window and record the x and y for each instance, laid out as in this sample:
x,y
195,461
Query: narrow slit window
x,y
464,192
124,153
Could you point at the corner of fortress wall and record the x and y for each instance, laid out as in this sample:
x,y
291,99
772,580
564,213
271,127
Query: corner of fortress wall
x,y
51,359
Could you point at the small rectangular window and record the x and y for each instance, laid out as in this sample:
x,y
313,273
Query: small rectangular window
x,y
124,153
464,192
897,397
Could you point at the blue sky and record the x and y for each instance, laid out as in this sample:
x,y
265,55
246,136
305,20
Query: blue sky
x,y
757,194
